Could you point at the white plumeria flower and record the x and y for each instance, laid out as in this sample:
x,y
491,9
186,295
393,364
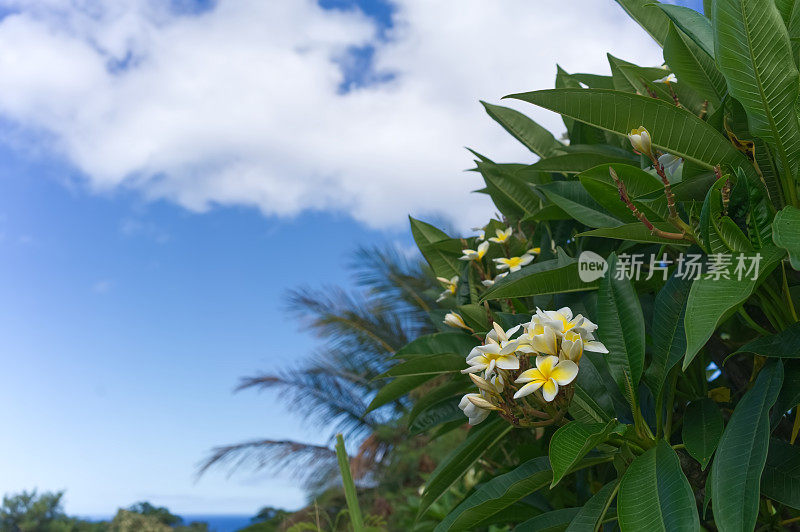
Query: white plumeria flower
x,y
561,320
498,336
585,330
538,337
474,413
670,78
475,254
481,233
589,342
571,347
454,319
514,263
498,352
490,282
450,286
549,374
534,251
502,236
640,140
670,162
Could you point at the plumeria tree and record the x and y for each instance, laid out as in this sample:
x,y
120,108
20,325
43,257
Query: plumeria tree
x,y
622,336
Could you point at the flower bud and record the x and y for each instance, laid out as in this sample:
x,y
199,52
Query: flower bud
x,y
640,140
482,383
455,320
480,402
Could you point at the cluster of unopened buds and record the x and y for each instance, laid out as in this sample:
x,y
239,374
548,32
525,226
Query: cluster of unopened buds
x,y
525,373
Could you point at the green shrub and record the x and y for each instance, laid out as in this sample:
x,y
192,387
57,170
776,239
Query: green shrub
x,y
624,336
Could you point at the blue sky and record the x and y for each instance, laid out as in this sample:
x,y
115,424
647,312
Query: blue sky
x,y
144,261
125,326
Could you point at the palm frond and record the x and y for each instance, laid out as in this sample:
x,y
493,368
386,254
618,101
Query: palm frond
x,y
405,283
314,465
349,319
321,398
360,330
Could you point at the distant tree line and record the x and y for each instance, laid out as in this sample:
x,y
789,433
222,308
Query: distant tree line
x,y
35,512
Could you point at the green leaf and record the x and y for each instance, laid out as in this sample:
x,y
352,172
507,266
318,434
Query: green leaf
x,y
548,212
435,415
474,316
694,67
429,365
553,276
648,16
655,495
621,327
594,81
643,80
573,441
780,480
350,494
502,491
479,440
668,336
397,388
601,186
437,395
589,515
436,344
712,301
453,344
443,259
693,24
754,53
786,233
513,196
636,232
552,521
498,493
750,205
742,454
629,77
671,128
720,233
533,136
785,344
790,12
789,397
571,163
592,401
702,429
573,199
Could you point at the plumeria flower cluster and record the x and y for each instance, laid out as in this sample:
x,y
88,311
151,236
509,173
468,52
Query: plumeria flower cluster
x,y
512,365
503,265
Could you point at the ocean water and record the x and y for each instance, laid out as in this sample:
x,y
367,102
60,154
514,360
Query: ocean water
x,y
216,523
220,523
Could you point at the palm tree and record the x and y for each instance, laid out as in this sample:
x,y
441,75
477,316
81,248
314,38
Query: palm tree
x,y
362,328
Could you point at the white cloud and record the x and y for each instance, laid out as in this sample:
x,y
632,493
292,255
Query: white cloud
x,y
240,105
